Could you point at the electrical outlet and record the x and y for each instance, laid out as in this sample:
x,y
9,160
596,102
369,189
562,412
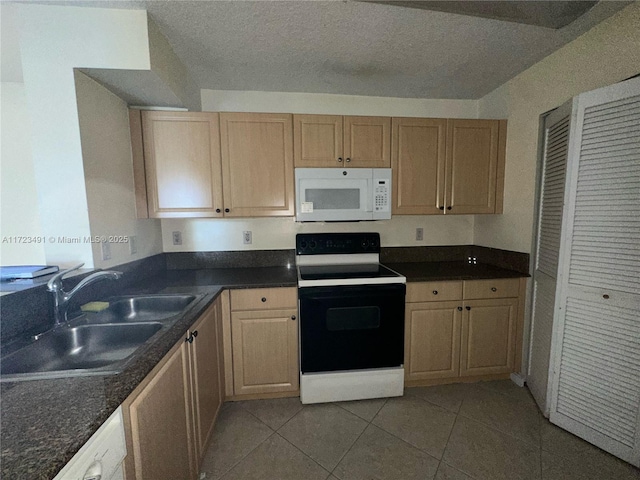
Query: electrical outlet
x,y
247,237
419,234
106,250
177,238
133,244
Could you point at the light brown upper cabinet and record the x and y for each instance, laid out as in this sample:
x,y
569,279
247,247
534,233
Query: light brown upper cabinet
x,y
257,164
447,166
337,141
418,163
182,164
475,166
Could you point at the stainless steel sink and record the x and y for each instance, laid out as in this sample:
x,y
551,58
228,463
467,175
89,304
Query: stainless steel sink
x,y
143,308
77,350
97,343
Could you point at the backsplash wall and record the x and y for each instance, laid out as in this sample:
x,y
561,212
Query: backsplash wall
x,y
208,235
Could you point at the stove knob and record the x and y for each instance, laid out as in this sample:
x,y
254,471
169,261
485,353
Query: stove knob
x,y
373,243
303,245
312,245
365,243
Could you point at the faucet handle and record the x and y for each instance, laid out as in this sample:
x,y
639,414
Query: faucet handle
x,y
55,282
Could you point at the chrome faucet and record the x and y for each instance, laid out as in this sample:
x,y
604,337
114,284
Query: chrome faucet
x,y
61,298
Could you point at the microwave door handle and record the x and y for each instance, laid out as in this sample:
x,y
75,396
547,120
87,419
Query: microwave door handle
x,y
371,195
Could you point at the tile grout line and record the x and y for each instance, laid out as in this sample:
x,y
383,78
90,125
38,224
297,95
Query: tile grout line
x,y
361,433
492,427
245,456
302,452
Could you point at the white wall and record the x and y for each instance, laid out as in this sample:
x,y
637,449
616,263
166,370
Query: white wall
x,y
606,54
18,196
108,172
330,104
53,41
279,233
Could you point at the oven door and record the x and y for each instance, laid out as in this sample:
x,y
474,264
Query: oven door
x,y
351,327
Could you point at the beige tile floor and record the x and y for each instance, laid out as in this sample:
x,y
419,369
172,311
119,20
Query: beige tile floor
x,y
488,430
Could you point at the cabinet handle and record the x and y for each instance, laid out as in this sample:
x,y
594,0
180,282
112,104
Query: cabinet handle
x,y
494,289
189,339
441,208
195,333
293,317
605,296
218,210
449,207
435,292
226,210
348,160
468,307
264,299
339,159
459,309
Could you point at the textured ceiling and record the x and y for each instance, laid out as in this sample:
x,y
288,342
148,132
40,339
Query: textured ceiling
x,y
351,47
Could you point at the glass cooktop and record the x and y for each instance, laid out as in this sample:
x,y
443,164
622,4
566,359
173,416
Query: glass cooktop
x,y
326,272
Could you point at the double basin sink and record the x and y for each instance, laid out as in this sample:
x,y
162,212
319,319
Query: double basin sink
x,y
97,343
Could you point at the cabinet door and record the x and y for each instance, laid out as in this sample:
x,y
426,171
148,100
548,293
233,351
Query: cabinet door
x,y
367,142
432,340
257,164
160,430
205,375
488,336
472,166
265,351
418,163
317,141
182,161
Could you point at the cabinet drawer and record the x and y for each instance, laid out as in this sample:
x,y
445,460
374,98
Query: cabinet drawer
x,y
433,291
496,288
264,298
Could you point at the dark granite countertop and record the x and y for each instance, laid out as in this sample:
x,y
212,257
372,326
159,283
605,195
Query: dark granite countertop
x,y
45,422
457,270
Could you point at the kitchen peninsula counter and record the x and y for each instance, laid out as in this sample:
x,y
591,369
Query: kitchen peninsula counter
x,y
45,422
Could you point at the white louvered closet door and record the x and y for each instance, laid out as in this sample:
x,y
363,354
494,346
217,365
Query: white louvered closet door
x,y
596,334
550,207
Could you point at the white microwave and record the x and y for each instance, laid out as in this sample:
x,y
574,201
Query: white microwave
x,y
343,194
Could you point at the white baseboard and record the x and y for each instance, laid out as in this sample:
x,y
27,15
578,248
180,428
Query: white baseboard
x,y
518,379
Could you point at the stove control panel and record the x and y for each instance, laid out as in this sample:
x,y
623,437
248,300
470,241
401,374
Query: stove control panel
x,y
337,243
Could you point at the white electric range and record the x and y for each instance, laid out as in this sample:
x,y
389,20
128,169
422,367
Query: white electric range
x,y
351,319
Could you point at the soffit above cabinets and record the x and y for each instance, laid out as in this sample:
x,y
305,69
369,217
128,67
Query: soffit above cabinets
x,y
353,47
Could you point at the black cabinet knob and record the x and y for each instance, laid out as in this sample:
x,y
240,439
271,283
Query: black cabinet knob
x,y
195,333
441,208
468,307
226,210
348,160
189,339
435,292
293,317
449,208
605,296
339,159
494,289
264,299
459,309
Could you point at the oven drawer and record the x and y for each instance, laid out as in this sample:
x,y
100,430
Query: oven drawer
x,y
264,298
434,291
495,288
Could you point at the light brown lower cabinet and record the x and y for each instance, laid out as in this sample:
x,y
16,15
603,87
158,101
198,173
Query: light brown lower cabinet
x,y
488,336
264,339
459,330
432,340
169,418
